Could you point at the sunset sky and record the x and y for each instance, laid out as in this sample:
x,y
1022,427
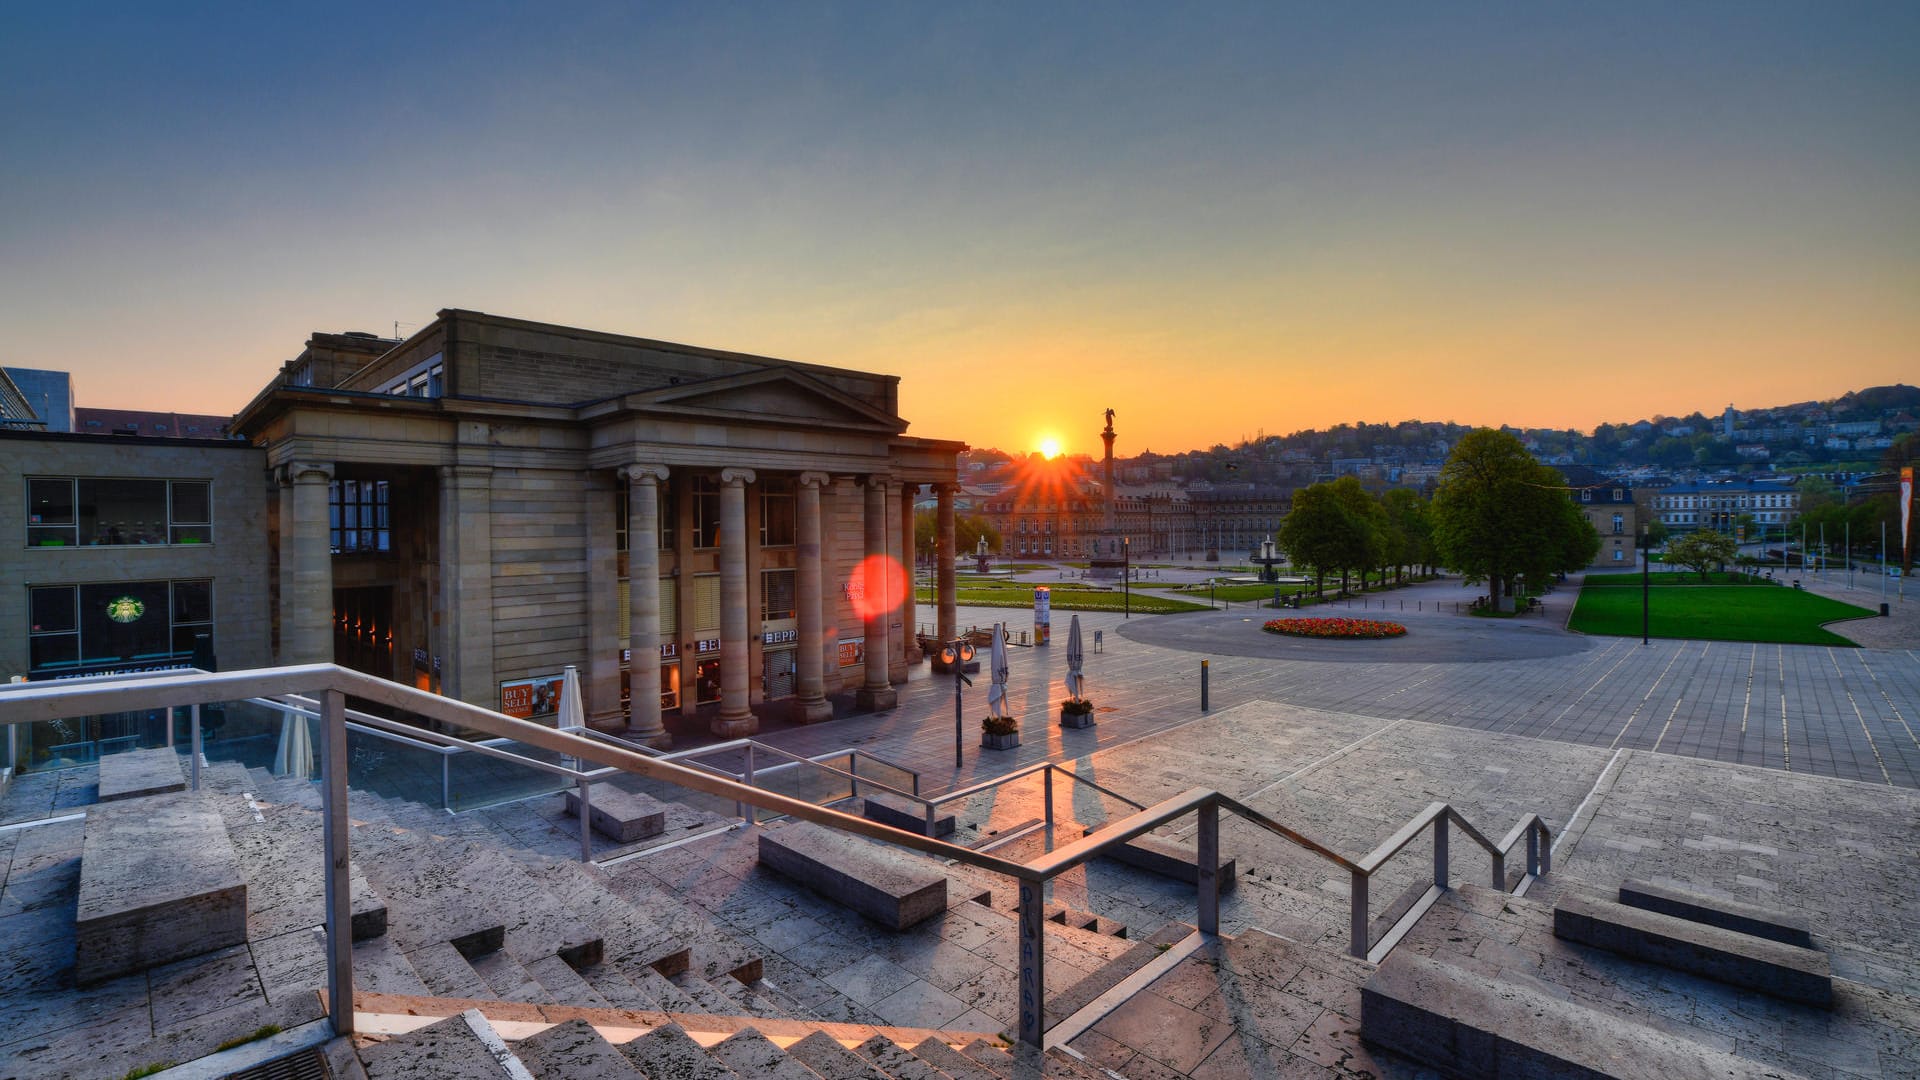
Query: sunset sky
x,y
1216,219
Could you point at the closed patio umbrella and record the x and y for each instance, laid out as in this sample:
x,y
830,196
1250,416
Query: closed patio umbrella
x,y
294,755
1076,656
997,690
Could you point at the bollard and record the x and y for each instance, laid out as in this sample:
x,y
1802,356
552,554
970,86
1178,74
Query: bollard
x,y
1203,686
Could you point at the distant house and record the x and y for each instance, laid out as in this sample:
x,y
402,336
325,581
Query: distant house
x,y
1608,504
1720,506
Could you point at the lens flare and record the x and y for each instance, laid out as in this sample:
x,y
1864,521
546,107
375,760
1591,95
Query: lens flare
x,y
877,586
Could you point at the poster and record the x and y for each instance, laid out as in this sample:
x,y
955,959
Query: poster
x,y
525,699
853,651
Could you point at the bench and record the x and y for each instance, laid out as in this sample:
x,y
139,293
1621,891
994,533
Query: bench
x,y
1169,860
158,882
904,815
623,816
896,889
1463,1023
140,772
1725,914
1754,963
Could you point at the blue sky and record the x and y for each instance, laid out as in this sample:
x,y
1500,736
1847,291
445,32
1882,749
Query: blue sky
x,y
1215,218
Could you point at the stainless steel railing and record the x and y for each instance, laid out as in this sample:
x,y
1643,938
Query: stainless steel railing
x,y
329,685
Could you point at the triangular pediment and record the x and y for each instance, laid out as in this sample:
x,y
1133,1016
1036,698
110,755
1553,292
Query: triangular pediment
x,y
772,395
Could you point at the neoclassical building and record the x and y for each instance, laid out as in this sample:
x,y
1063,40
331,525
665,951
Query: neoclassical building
x,y
491,499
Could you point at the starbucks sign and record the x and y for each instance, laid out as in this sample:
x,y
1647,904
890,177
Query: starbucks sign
x,y
125,609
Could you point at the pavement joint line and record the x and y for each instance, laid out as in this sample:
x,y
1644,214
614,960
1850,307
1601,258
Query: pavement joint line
x,y
1188,830
1858,715
1648,696
41,821
657,848
1576,827
1097,1010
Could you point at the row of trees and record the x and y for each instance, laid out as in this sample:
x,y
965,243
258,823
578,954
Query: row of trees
x,y
1497,516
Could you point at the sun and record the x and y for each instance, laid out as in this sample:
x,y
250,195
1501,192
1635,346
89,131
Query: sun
x,y
1049,447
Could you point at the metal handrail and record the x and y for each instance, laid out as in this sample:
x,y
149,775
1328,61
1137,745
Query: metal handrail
x,y
332,684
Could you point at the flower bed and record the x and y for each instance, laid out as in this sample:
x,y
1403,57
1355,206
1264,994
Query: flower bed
x,y
1335,628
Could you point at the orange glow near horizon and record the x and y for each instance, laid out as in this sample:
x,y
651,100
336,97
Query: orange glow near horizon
x,y
1049,447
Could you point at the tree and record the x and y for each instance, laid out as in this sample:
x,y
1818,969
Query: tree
x,y
967,531
1409,531
1333,526
1500,516
1705,551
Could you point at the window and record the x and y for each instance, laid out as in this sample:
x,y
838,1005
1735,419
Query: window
x,y
1619,524
84,628
357,515
1586,495
706,512
776,595
426,380
110,511
777,527
1618,555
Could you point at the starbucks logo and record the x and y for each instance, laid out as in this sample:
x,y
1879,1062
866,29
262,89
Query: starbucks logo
x,y
125,609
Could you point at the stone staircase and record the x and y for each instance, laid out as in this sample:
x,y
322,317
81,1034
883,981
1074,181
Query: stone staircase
x,y
470,1045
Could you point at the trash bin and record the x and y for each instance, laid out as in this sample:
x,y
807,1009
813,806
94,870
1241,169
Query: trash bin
x,y
1883,610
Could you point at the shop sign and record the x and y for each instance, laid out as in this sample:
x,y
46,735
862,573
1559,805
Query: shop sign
x,y
853,651
779,637
706,645
528,698
668,651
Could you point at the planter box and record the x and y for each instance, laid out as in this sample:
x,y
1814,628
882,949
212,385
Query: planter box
x,y
990,741
1076,719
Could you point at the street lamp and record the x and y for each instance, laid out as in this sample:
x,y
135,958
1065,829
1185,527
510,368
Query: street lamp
x,y
955,654
1646,560
1126,574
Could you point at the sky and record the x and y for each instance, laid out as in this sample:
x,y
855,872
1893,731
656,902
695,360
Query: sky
x,y
1217,219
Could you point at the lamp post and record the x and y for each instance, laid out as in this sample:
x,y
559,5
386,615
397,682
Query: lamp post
x,y
1646,581
955,655
1126,574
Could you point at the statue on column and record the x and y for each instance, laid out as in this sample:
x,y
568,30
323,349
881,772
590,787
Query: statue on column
x,y
1109,430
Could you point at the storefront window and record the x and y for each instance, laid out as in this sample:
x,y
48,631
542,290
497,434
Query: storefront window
x,y
86,511
75,629
777,513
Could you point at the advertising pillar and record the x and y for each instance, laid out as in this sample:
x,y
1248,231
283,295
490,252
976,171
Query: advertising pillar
x,y
1042,614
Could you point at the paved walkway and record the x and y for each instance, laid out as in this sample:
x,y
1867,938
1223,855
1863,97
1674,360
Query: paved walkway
x,y
1848,713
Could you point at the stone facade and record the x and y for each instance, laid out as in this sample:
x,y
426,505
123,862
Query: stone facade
x,y
89,549
492,499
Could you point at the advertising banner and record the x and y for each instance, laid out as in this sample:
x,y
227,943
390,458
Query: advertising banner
x,y
1906,515
1042,614
525,699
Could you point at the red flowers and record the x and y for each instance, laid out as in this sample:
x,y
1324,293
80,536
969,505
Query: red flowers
x,y
1335,628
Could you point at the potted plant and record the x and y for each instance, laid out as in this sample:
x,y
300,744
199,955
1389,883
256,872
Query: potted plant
x,y
999,733
1076,713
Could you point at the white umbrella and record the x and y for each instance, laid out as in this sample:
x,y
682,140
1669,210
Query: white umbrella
x,y
294,757
572,713
997,691
1076,656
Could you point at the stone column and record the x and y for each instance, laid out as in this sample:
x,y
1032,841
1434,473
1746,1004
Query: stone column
x,y
910,557
736,718
306,564
811,658
643,600
947,623
466,585
876,694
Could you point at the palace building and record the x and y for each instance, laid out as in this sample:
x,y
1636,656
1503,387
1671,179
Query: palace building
x,y
702,533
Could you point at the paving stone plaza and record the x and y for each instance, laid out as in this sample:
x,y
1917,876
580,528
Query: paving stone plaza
x,y
1781,776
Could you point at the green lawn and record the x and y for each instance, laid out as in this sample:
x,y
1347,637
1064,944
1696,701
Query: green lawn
x,y
1669,579
1775,615
1064,597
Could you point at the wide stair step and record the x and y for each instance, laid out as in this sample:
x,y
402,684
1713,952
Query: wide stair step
x,y
893,887
575,1051
1753,963
750,1053
896,1061
668,1051
1466,1024
1025,1061
952,1062
456,1048
1113,972
824,1055
140,772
